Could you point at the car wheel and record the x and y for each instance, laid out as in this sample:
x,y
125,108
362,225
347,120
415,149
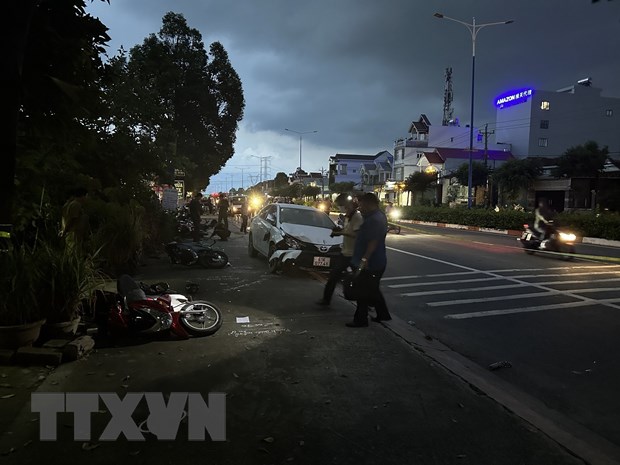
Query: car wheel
x,y
273,264
251,250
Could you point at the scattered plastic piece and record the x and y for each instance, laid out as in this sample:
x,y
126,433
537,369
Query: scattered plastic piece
x,y
498,365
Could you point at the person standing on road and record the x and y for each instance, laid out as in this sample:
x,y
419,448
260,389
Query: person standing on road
x,y
352,223
370,261
245,213
195,211
222,208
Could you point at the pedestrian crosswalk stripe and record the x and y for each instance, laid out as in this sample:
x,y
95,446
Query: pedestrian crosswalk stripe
x,y
439,275
555,283
541,308
589,273
445,303
458,281
454,291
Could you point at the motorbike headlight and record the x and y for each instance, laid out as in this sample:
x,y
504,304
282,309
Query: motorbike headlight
x,y
292,243
567,237
395,214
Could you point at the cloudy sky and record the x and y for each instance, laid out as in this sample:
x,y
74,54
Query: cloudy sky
x,y
359,71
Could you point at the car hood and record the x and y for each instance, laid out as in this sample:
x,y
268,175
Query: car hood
x,y
310,234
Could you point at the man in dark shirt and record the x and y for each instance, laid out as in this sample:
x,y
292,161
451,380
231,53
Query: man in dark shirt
x,y
222,208
370,259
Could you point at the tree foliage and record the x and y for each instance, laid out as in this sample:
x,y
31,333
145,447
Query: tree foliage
x,y
280,180
180,104
420,182
479,174
341,187
584,161
515,175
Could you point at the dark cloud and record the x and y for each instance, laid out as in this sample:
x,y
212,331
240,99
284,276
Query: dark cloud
x,y
360,71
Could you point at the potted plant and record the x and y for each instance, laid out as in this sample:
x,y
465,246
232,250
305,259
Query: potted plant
x,y
20,316
69,276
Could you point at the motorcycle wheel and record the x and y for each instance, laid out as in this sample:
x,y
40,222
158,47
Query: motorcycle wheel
x,y
200,318
213,259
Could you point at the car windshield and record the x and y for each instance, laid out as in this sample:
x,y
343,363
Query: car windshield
x,y
305,217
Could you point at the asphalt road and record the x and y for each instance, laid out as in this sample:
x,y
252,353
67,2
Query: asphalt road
x,y
557,322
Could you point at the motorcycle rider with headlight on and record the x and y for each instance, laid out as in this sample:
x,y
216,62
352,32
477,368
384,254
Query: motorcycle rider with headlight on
x,y
543,217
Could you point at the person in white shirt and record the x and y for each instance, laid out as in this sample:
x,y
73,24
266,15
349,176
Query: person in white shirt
x,y
352,222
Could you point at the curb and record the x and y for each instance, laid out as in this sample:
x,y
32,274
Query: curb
x,y
508,232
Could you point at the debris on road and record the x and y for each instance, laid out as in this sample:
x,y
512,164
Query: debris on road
x,y
498,365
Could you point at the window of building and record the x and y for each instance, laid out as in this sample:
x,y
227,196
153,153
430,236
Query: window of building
x,y
544,124
343,169
354,171
544,105
609,112
543,142
419,155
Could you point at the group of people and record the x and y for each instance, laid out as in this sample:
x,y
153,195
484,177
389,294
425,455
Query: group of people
x,y
363,250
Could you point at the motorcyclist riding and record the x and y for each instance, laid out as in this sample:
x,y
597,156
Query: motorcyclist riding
x,y
543,218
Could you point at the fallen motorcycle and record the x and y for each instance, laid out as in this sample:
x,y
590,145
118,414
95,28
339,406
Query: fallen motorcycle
x,y
192,253
562,242
140,309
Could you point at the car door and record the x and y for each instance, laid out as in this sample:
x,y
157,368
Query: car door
x,y
262,232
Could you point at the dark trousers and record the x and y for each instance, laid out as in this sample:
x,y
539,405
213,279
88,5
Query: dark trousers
x,y
223,218
370,295
196,230
244,223
340,266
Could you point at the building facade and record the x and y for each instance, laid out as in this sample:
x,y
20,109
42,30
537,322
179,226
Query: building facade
x,y
547,123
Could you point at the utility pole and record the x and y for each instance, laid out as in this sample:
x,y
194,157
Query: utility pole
x,y
486,135
488,194
322,181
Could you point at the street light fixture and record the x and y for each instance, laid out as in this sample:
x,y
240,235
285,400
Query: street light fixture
x,y
473,30
300,134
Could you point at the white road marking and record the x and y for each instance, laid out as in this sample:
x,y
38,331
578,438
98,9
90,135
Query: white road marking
x,y
454,291
510,311
554,268
589,273
432,283
461,273
596,289
541,286
445,303
555,283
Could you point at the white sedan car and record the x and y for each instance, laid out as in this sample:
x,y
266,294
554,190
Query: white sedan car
x,y
294,235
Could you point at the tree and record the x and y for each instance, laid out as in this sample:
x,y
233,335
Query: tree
x,y
51,76
181,104
311,191
584,161
515,175
420,182
280,180
479,174
341,187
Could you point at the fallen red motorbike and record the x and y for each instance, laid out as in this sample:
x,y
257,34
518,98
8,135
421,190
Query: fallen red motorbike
x,y
142,309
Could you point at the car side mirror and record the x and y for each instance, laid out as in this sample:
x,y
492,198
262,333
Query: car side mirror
x,y
271,218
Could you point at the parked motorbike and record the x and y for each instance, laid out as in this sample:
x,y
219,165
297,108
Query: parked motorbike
x,y
192,253
557,241
141,309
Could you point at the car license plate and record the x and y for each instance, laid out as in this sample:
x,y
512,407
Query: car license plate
x,y
321,261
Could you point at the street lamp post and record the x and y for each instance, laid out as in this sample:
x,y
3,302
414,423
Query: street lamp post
x,y
473,30
300,134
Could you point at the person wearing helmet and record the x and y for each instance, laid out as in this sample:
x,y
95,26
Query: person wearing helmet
x,y
352,222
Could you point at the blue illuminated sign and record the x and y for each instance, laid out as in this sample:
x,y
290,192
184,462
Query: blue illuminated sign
x,y
513,97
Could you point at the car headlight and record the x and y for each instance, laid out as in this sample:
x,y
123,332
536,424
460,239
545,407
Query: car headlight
x,y
292,243
567,237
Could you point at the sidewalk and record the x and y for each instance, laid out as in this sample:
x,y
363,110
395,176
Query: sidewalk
x,y
300,386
